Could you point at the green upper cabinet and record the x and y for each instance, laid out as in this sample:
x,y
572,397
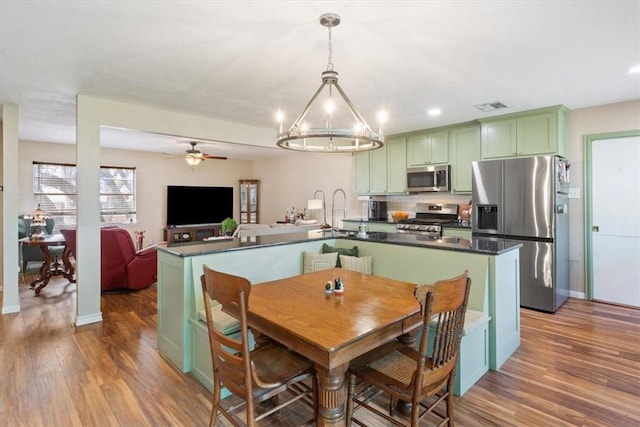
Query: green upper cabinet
x,y
378,170
529,133
464,144
525,134
428,148
396,165
381,171
371,171
499,139
362,168
537,134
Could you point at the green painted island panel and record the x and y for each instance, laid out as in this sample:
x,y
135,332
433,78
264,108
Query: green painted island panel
x,y
494,290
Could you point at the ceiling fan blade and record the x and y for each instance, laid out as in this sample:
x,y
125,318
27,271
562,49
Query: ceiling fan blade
x,y
209,156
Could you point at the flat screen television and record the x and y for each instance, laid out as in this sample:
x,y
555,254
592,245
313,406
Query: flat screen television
x,y
188,205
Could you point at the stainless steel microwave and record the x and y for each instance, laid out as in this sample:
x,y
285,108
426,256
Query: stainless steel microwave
x,y
428,178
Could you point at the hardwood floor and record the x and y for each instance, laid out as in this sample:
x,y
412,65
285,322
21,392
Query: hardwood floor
x,y
578,367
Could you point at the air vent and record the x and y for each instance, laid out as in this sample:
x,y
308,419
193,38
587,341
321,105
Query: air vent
x,y
491,106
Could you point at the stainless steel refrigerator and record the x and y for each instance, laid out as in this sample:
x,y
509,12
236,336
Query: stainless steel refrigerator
x,y
525,200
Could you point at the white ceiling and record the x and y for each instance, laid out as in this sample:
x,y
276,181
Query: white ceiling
x,y
242,60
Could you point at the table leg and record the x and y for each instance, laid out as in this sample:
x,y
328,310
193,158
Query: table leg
x,y
45,270
50,268
332,396
68,270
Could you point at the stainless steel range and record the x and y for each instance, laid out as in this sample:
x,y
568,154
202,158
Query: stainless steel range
x,y
429,219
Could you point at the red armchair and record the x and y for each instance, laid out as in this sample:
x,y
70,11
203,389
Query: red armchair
x,y
121,266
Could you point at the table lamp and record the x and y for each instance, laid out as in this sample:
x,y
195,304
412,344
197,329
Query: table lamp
x,y
38,219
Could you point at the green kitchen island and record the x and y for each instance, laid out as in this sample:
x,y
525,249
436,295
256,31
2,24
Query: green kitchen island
x,y
493,266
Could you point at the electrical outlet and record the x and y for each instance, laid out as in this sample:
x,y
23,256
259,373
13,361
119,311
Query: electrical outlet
x,y
574,193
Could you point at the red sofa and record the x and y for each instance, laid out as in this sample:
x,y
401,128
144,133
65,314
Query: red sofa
x,y
122,267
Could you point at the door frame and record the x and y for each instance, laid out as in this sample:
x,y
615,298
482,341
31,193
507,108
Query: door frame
x,y
588,202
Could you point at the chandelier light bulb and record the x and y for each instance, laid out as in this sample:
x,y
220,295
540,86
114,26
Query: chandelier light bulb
x,y
330,107
382,117
280,119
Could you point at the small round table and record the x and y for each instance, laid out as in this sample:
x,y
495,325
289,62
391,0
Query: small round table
x,y
51,266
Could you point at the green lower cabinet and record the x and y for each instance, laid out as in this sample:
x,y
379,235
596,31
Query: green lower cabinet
x,y
388,227
464,233
381,226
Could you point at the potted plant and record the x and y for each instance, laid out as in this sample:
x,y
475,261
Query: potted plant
x,y
228,226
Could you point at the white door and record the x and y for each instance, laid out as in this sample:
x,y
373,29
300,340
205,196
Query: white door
x,y
616,220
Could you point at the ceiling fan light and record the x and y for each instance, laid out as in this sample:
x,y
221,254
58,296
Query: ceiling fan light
x,y
193,160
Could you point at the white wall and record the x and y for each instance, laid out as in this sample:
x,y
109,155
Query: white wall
x,y
153,173
291,180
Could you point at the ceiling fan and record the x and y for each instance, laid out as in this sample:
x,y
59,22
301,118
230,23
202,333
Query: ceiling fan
x,y
194,156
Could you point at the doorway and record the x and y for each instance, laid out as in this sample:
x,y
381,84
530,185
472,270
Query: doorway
x,y
612,212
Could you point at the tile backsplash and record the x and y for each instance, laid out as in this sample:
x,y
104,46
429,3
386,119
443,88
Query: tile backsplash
x,y
407,203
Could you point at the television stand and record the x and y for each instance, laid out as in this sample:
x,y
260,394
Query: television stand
x,y
196,233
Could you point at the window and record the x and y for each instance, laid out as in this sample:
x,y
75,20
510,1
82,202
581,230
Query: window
x,y
54,189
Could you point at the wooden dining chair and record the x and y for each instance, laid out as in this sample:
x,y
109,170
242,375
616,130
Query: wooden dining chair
x,y
266,372
424,376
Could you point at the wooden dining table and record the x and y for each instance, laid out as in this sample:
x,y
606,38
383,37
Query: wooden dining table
x,y
330,329
51,266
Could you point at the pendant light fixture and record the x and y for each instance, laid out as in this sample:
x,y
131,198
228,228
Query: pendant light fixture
x,y
354,134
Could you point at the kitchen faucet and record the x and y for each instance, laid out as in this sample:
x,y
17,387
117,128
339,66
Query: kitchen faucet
x,y
344,207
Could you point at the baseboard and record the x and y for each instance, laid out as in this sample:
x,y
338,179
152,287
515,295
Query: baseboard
x,y
85,320
11,309
577,294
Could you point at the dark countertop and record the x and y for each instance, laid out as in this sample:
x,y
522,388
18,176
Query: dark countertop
x,y
457,224
477,245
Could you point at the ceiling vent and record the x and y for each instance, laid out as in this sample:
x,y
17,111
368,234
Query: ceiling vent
x,y
491,106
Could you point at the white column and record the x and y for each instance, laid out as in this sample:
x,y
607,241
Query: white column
x,y
9,203
88,228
